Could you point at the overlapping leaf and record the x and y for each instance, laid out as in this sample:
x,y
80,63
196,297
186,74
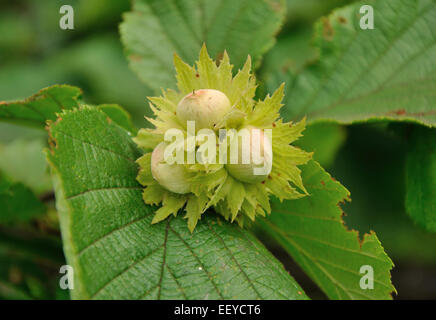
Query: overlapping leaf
x,y
40,107
312,231
115,250
157,29
386,73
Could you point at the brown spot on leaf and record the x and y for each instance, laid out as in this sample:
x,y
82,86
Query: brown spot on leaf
x,y
197,75
342,20
327,29
400,112
323,183
135,57
276,6
274,124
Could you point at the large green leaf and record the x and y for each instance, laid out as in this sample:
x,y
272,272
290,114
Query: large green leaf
x,y
114,249
156,29
40,107
17,202
421,177
388,73
312,231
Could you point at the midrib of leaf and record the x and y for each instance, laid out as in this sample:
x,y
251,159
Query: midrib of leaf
x,y
101,189
213,18
178,10
243,6
178,48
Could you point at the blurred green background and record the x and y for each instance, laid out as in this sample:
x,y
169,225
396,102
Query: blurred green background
x,y
36,53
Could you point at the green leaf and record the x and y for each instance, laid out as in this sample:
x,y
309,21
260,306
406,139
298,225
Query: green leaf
x,y
40,107
45,104
387,73
324,139
311,229
115,250
291,52
156,29
120,116
421,177
17,202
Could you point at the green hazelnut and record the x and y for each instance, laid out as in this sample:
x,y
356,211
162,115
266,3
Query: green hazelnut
x,y
173,177
252,170
204,106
